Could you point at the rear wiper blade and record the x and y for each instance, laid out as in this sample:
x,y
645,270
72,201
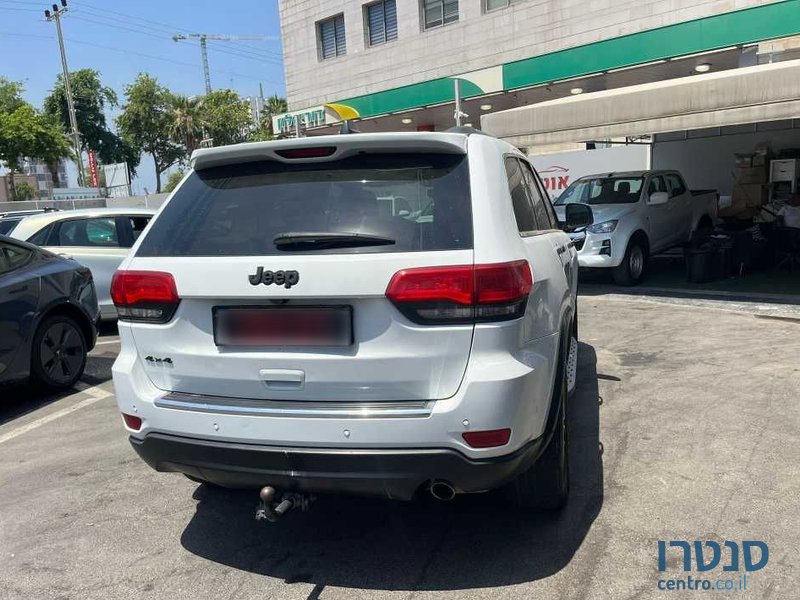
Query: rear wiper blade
x,y
303,240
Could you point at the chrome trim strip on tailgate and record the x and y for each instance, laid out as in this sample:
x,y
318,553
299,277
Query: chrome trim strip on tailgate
x,y
296,408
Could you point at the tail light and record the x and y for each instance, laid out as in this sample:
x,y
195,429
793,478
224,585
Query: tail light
x,y
462,294
149,296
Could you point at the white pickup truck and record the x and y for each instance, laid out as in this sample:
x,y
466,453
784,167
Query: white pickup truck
x,y
636,214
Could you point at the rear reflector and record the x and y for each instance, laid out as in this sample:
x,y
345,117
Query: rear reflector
x,y
462,293
132,422
487,439
144,295
318,152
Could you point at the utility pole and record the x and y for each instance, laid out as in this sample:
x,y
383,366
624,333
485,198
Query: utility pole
x,y
56,15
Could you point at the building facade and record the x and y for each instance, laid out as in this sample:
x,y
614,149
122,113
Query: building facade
x,y
46,180
392,63
6,191
37,175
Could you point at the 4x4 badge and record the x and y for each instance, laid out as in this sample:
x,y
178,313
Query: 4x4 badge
x,y
285,278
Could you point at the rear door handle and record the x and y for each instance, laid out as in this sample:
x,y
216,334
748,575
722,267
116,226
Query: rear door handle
x,y
283,379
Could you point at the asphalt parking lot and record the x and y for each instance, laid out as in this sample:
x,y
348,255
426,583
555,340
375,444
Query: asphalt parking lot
x,y
685,426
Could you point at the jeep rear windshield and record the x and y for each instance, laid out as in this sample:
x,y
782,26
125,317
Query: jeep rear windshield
x,y
419,202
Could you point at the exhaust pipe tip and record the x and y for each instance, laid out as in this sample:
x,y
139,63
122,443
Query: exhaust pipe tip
x,y
442,490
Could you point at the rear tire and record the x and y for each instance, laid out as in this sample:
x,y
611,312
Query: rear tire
x,y
58,355
631,269
545,485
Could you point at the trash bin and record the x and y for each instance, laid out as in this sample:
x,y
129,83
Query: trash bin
x,y
705,265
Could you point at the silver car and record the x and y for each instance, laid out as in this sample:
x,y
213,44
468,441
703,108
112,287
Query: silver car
x,y
98,238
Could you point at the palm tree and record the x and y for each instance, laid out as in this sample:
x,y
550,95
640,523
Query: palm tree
x,y
187,122
275,105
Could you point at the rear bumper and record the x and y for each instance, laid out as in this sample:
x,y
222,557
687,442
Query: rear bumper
x,y
393,473
499,390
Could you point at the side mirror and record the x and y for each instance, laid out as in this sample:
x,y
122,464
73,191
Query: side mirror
x,y
578,215
658,198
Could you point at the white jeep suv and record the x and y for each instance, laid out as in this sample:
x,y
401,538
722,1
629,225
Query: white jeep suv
x,y
284,326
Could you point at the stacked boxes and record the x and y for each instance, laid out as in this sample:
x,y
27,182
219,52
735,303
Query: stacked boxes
x,y
751,187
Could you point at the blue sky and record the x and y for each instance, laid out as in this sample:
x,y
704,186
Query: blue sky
x,y
122,39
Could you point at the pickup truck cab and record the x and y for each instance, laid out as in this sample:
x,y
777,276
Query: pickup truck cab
x,y
636,214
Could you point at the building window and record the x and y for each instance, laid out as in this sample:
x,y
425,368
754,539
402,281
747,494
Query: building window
x,y
495,4
331,37
381,18
436,13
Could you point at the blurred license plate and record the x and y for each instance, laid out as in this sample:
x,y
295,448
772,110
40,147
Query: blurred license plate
x,y
284,326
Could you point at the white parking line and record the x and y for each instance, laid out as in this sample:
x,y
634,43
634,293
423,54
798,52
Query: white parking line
x,y
106,342
95,396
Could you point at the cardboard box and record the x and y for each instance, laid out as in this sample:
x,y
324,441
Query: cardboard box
x,y
753,195
732,208
762,155
752,174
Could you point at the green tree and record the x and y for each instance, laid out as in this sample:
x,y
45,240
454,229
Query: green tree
x,y
173,180
226,116
188,121
24,132
23,191
10,95
91,100
145,123
275,105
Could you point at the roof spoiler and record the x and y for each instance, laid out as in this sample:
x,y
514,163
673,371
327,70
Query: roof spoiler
x,y
342,145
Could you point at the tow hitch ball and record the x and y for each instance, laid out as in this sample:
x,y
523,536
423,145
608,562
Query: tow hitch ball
x,y
271,509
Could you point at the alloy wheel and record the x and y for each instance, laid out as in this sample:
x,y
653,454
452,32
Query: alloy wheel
x,y
636,262
61,352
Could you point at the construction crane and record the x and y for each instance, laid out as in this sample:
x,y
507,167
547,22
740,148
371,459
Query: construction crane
x,y
204,37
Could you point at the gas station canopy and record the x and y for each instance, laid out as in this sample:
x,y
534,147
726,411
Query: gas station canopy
x,y
768,92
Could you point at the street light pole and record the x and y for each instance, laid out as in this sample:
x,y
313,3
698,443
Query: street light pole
x,y
56,15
